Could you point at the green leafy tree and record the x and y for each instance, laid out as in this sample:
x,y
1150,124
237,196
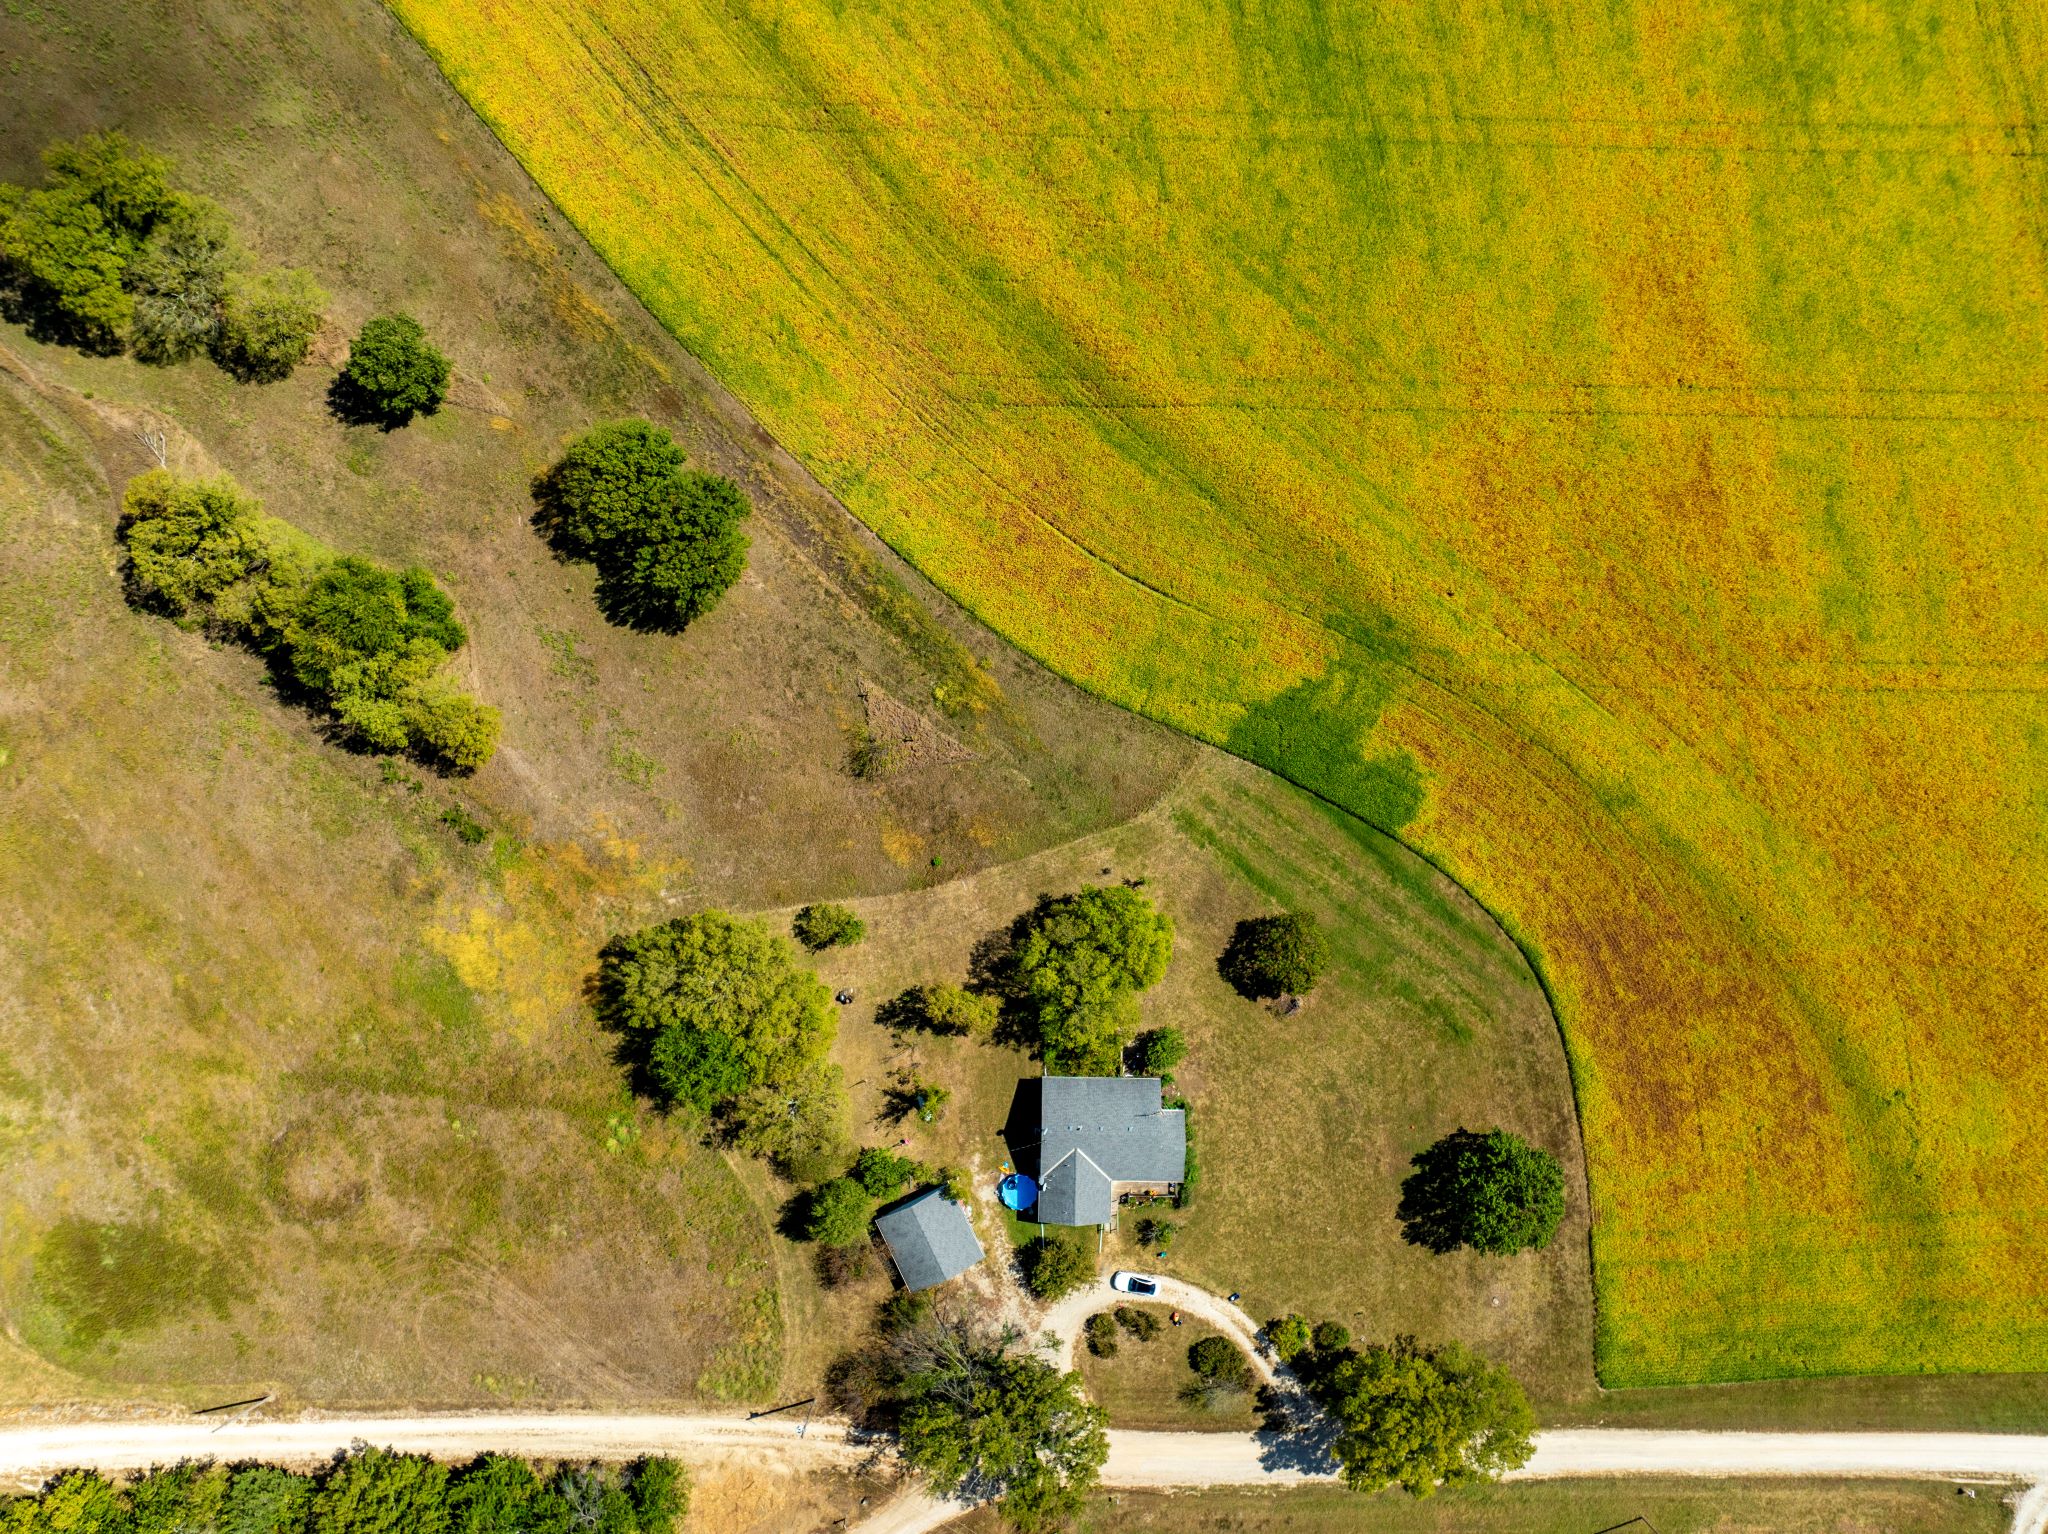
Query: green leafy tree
x,y
498,1494
267,323
797,1121
65,264
130,185
1159,1050
262,1499
82,1502
1077,965
709,974
882,1172
179,279
1330,1337
1290,1336
355,611
660,1490
597,1498
187,540
1495,1193
1275,956
393,373
680,562
182,1499
978,1419
610,486
838,1214
1423,1417
446,723
1055,1267
377,1491
819,927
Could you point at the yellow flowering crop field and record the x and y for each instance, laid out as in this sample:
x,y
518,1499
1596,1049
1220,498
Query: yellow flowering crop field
x,y
1605,445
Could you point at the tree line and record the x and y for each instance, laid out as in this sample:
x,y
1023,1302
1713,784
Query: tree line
x,y
366,1491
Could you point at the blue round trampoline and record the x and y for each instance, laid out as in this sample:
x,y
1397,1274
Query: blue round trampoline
x,y
1017,1192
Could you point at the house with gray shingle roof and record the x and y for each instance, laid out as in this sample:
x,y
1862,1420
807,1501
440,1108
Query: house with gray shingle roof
x,y
1099,1136
930,1239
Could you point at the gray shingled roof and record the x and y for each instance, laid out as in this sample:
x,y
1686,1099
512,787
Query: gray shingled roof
x,y
1076,1192
1118,1125
931,1239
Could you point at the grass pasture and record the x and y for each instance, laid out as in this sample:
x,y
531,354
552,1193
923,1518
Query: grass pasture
x,y
298,1090
1609,450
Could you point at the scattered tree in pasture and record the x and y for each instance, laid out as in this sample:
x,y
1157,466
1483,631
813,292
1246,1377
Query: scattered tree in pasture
x,y
1275,956
1290,1336
267,324
819,927
798,1121
393,373
1495,1193
759,1016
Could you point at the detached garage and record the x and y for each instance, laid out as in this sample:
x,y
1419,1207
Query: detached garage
x,y
930,1239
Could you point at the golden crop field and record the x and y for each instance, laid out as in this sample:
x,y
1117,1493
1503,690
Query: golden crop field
x,y
1604,443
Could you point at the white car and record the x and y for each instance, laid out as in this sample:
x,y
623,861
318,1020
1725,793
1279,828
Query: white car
x,y
1133,1283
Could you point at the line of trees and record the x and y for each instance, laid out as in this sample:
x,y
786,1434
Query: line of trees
x,y
367,1491
367,644
107,255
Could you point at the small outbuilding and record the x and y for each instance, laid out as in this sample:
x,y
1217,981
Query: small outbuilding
x,y
930,1239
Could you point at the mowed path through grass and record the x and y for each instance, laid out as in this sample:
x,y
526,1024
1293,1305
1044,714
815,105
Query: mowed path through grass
x,y
1608,449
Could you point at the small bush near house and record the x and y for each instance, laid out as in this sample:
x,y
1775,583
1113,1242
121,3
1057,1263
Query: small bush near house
x,y
882,1172
1159,1050
1055,1266
839,1213
1141,1324
819,927
1102,1340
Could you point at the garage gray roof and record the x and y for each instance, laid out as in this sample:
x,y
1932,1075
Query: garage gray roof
x,y
930,1238
1117,1126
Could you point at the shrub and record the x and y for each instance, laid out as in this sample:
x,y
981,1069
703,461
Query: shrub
x,y
267,323
1159,1050
1191,1166
376,1491
1102,1334
819,927
1330,1336
1077,964
179,279
1141,1324
1055,1267
953,1180
882,1172
1275,956
1495,1193
688,984
467,828
393,373
660,1489
666,540
838,1214
941,1008
446,723
1219,1359
262,1499
1290,1336
902,1310
1156,1233
81,1502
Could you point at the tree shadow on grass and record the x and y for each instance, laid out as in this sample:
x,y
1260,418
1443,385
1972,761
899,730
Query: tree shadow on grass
x,y
1432,1207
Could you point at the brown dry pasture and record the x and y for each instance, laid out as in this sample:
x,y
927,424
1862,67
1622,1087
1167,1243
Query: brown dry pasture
x,y
297,1090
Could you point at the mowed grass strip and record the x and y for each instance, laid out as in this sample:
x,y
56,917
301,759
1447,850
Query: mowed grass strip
x,y
1611,454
